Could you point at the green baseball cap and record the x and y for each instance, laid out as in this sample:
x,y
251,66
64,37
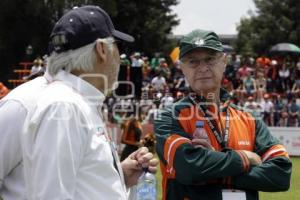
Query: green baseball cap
x,y
200,39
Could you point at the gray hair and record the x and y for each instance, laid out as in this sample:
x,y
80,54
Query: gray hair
x,y
82,58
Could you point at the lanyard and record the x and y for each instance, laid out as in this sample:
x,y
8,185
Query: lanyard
x,y
113,148
213,124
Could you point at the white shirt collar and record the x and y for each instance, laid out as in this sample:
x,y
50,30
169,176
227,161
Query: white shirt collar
x,y
81,86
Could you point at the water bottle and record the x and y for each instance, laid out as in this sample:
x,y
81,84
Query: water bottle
x,y
200,132
146,186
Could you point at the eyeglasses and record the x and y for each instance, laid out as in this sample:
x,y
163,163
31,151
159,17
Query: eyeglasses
x,y
194,62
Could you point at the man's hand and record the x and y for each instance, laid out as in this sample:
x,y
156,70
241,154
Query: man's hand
x,y
202,143
133,165
253,158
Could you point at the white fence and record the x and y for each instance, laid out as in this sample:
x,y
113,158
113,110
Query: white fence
x,y
289,137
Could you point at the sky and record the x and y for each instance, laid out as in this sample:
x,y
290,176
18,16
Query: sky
x,y
221,16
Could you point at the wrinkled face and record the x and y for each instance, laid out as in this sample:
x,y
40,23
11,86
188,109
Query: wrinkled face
x,y
109,68
203,69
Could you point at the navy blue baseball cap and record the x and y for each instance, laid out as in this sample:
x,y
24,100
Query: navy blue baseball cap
x,y
82,26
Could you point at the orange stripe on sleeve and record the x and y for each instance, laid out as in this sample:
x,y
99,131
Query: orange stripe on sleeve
x,y
164,181
275,151
171,145
245,161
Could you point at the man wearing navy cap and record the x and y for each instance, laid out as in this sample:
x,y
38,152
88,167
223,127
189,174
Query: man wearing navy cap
x,y
234,155
54,143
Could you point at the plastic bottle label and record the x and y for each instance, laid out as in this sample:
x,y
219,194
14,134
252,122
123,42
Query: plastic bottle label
x,y
146,189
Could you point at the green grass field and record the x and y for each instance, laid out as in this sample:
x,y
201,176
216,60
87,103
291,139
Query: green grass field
x,y
292,194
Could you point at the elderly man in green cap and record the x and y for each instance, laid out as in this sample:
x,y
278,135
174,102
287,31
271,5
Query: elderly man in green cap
x,y
209,148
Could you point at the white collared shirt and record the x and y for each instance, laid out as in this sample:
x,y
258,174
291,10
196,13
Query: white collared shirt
x,y
266,106
158,83
14,109
66,149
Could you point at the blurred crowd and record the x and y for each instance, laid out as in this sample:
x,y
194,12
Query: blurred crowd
x,y
268,87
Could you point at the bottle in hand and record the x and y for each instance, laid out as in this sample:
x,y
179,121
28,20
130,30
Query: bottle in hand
x,y
146,187
200,132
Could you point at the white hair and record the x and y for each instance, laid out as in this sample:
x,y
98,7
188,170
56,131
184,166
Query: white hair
x,y
83,58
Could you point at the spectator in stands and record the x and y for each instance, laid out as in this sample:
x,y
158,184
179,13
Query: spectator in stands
x,y
3,90
164,68
252,105
227,85
278,110
155,61
123,77
179,81
146,69
230,70
159,82
284,77
267,109
136,75
244,70
284,117
249,86
131,136
293,111
262,62
261,84
36,70
272,78
296,89
237,85
235,62
167,100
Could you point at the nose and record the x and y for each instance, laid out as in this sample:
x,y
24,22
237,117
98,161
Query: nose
x,y
204,68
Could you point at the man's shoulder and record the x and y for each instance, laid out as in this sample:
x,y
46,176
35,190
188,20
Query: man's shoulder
x,y
60,92
245,111
27,93
239,108
59,97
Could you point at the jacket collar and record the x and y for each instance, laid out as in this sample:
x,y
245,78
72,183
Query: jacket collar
x,y
92,94
224,99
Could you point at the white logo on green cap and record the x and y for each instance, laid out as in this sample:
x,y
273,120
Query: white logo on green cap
x,y
199,42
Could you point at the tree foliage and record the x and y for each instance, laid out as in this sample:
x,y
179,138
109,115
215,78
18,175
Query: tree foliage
x,y
274,22
24,22
148,21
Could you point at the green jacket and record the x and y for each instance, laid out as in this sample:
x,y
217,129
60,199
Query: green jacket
x,y
191,173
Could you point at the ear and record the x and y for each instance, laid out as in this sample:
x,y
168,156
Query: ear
x,y
101,51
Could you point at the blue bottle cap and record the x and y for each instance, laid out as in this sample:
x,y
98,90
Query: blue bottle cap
x,y
199,124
